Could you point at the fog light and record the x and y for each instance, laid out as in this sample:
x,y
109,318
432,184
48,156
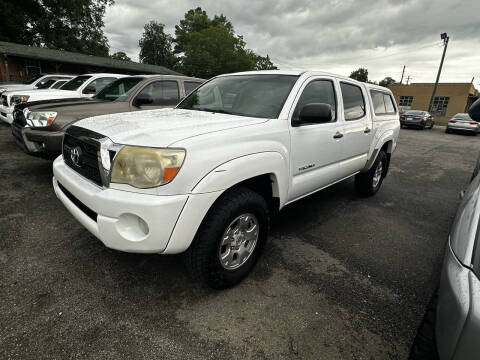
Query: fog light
x,y
132,227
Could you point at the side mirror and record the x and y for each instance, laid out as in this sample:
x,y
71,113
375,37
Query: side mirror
x,y
474,111
142,99
314,113
90,90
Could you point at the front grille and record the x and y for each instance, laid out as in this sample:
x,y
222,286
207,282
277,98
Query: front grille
x,y
81,156
4,100
89,212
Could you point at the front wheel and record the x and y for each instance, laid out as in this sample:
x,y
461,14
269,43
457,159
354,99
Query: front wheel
x,y
229,240
368,183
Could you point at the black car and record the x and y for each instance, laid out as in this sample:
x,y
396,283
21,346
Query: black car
x,y
417,118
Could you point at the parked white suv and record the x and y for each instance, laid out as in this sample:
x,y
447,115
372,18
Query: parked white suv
x,y
84,86
205,177
37,82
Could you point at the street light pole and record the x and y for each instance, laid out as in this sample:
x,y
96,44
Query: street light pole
x,y
445,39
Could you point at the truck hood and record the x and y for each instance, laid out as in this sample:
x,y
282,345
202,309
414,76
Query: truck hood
x,y
45,93
15,87
162,127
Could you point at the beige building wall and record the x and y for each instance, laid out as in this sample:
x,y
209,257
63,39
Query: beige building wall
x,y
460,95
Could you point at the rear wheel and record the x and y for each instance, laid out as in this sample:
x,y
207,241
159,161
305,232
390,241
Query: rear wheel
x,y
368,183
447,130
230,239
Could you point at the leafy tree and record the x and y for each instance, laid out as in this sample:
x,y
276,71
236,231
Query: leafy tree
x,y
156,47
57,24
215,51
197,20
120,55
209,46
263,63
387,82
360,74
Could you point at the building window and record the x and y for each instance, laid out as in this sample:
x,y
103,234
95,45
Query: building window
x,y
440,104
405,101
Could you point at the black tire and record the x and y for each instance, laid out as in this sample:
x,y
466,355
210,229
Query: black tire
x,y
202,260
424,345
447,131
364,181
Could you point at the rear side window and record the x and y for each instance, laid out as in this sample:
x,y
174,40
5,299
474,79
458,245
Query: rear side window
x,y
353,101
382,103
378,102
190,86
389,104
162,93
318,91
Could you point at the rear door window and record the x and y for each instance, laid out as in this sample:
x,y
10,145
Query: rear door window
x,y
353,101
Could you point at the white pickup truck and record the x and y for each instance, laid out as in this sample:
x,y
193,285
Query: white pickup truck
x,y
204,177
82,86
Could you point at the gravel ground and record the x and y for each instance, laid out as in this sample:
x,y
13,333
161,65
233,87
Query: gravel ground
x,y
341,277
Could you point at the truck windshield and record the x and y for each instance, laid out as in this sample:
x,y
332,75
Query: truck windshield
x,y
75,83
260,95
119,89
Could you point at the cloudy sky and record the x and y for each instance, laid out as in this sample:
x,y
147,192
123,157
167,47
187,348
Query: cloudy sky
x,y
332,35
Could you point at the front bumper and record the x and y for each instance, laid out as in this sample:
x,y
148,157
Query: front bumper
x,y
45,144
113,215
6,114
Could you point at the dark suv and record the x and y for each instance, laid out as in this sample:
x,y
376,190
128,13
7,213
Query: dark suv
x,y
38,127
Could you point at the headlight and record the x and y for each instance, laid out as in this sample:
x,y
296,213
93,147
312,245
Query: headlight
x,y
41,118
144,167
17,99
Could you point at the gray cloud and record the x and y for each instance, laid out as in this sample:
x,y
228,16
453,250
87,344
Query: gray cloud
x,y
333,35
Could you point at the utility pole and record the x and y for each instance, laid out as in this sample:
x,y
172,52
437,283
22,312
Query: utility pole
x,y
408,79
445,39
403,72
473,78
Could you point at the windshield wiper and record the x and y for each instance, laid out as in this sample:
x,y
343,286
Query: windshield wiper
x,y
220,111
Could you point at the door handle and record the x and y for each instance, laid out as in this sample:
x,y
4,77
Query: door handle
x,y
338,135
367,130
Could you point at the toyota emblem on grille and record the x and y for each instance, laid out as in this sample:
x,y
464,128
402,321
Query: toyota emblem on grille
x,y
75,154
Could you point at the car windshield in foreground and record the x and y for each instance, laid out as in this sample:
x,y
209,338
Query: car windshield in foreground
x,y
414,112
75,83
33,79
119,89
260,95
462,117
